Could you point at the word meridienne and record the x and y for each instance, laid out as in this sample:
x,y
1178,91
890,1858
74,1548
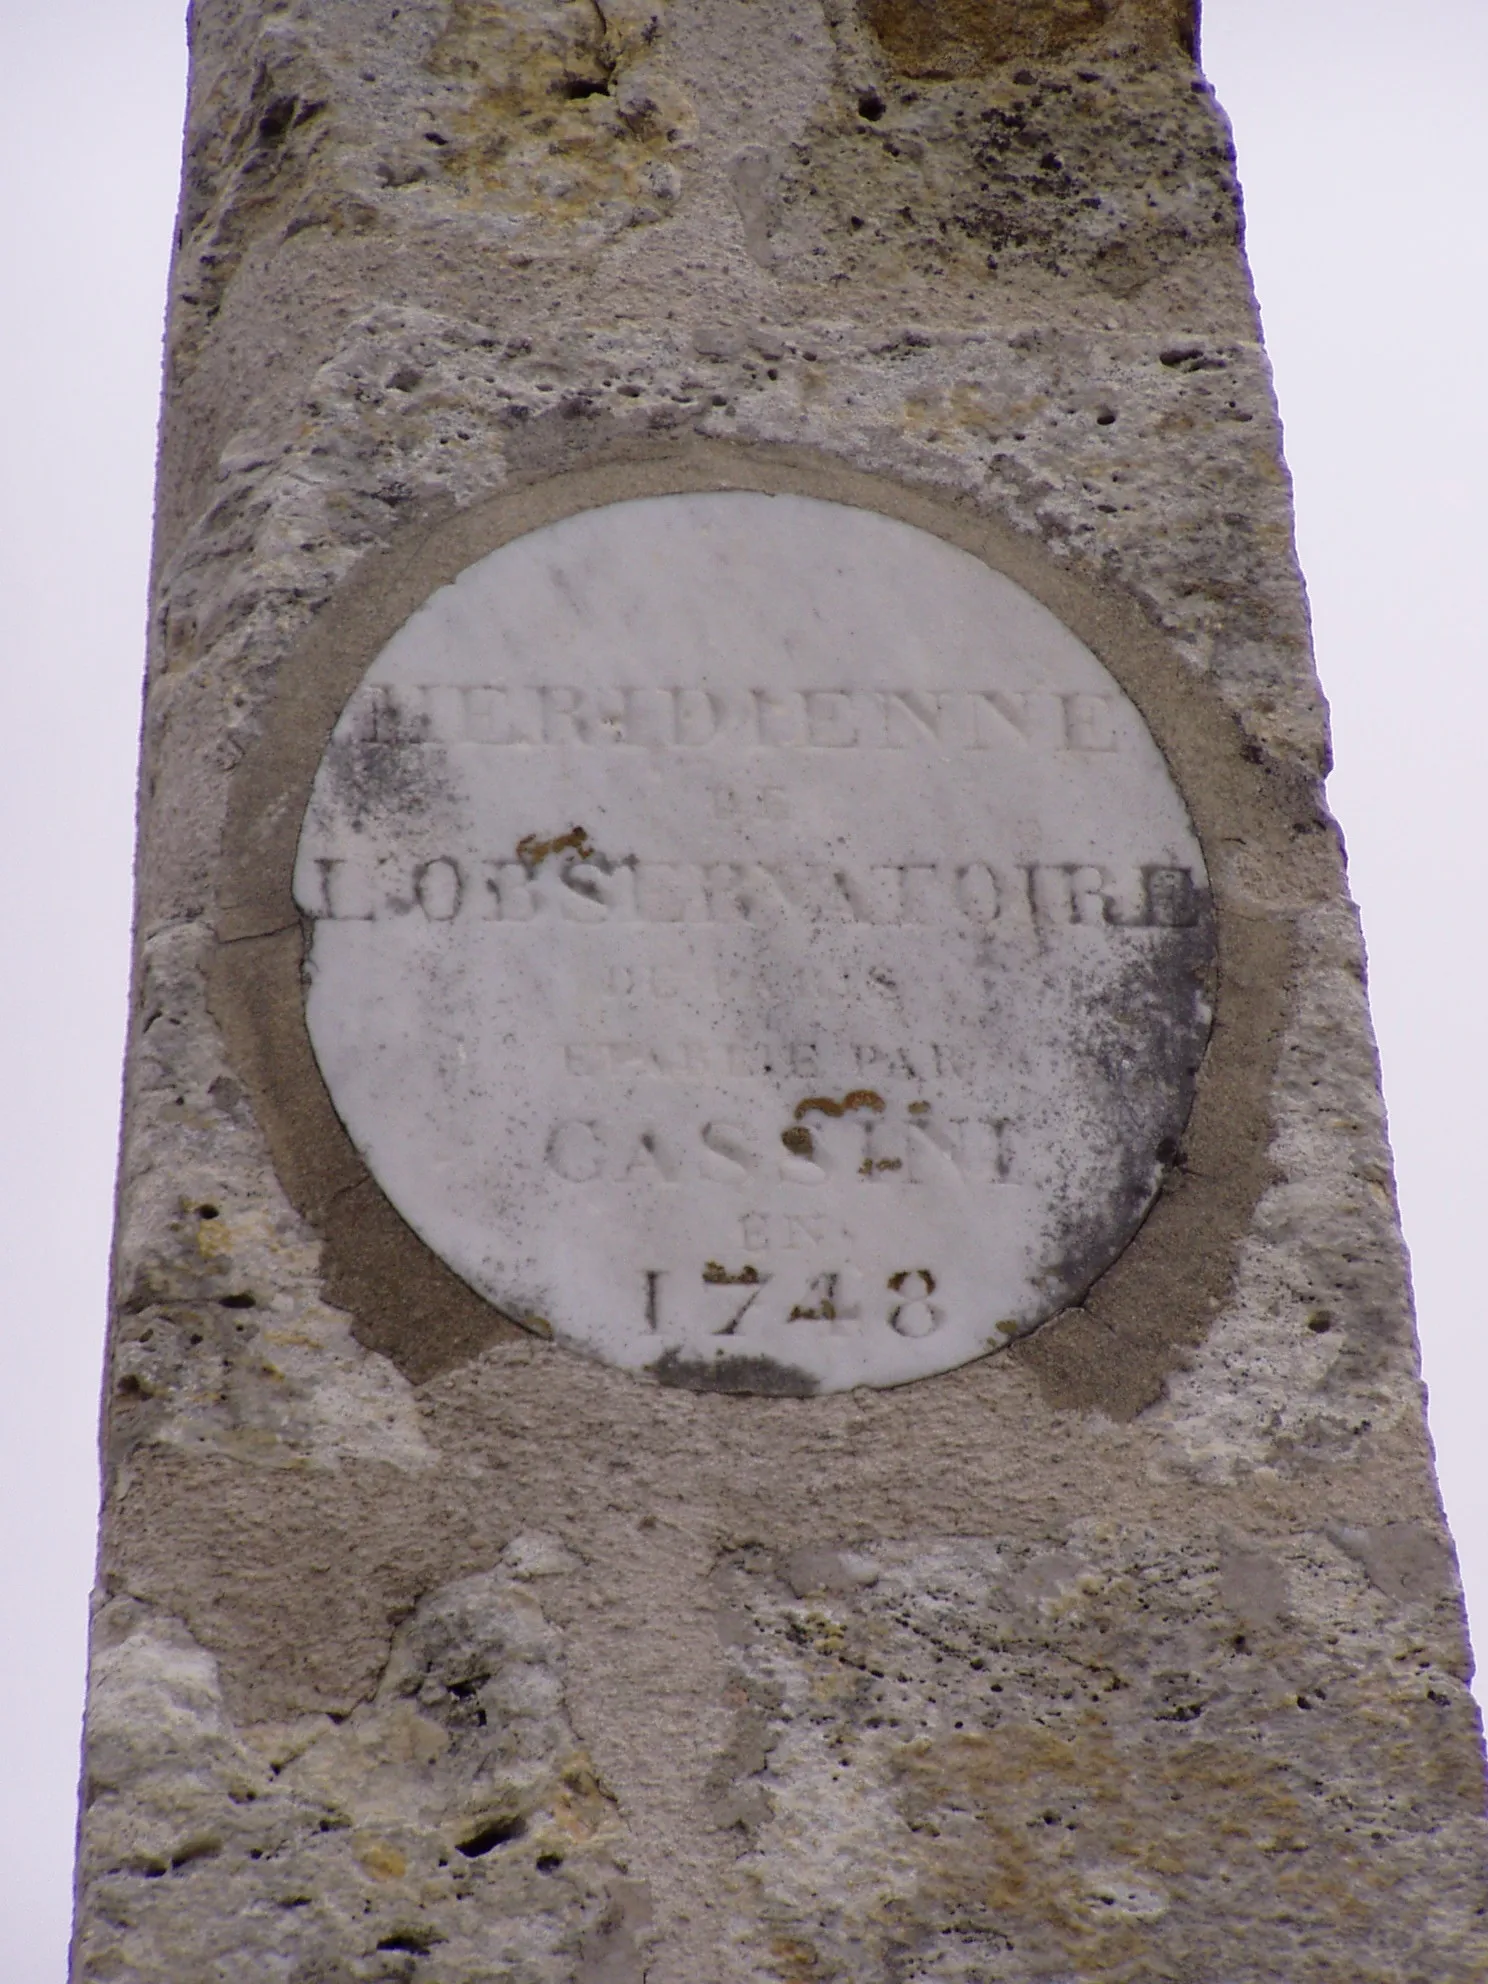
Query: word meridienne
x,y
695,719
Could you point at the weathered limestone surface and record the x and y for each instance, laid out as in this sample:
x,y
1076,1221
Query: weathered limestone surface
x,y
427,1651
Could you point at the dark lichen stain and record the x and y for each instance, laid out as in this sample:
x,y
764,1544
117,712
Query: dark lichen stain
x,y
719,1276
897,1281
856,1098
391,771
1114,1351
760,1375
532,852
1145,1040
799,1142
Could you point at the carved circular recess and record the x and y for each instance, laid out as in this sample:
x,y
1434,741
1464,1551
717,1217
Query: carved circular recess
x,y
755,942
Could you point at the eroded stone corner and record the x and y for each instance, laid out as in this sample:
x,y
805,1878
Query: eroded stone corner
x,y
452,1816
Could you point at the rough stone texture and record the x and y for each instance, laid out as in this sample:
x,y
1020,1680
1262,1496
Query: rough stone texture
x,y
1071,1664
390,1829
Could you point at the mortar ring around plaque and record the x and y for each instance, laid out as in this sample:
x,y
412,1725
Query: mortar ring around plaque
x,y
755,942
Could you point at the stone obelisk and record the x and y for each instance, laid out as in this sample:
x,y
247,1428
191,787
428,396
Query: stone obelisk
x,y
760,1328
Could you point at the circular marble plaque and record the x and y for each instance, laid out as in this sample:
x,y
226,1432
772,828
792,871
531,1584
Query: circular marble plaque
x,y
755,942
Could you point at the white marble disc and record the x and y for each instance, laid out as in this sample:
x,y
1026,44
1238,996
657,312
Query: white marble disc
x,y
755,942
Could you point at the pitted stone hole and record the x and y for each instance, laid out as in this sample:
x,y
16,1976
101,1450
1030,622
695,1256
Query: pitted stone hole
x,y
277,119
196,1849
241,1300
871,105
501,1832
578,87
1190,358
412,1942
208,1212
549,1863
468,1691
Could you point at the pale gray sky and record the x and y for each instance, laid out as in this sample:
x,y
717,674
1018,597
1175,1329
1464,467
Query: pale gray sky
x,y
1360,132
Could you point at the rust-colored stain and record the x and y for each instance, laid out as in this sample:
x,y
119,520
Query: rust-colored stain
x,y
794,1960
897,1281
872,1164
1215,1803
947,38
716,1274
382,1861
799,1142
532,852
826,1105
549,112
824,1312
583,1806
